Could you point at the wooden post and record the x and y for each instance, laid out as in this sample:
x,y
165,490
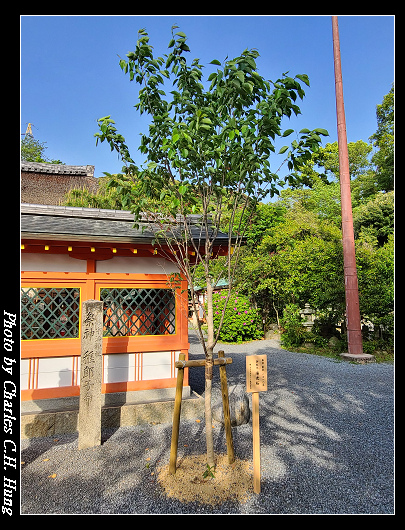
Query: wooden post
x,y
201,362
353,318
256,442
176,415
256,381
227,415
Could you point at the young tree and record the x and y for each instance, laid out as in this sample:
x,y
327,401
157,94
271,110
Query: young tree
x,y
208,151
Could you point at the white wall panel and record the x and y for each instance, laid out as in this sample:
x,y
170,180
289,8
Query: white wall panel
x,y
156,365
24,373
136,265
55,372
52,263
119,367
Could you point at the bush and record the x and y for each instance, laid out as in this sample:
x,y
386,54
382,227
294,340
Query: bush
x,y
293,333
241,321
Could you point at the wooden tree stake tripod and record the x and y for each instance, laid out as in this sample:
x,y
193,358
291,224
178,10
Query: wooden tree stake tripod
x,y
181,364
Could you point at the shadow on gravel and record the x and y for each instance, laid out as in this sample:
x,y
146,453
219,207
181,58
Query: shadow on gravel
x,y
326,434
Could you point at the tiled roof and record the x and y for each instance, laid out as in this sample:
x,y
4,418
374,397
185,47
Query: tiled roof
x,y
57,169
40,221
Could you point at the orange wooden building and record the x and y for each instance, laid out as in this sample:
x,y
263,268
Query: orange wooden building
x,y
69,255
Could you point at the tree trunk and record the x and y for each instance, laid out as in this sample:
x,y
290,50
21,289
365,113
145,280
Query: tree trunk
x,y
208,417
208,377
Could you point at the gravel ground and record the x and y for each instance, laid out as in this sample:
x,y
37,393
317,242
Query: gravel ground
x,y
327,447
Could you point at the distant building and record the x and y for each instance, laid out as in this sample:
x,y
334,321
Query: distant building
x,y
43,183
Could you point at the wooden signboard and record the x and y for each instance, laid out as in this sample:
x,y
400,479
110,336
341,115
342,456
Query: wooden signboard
x,y
256,373
256,381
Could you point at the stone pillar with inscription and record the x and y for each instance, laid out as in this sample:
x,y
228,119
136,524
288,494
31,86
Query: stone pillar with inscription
x,y
90,374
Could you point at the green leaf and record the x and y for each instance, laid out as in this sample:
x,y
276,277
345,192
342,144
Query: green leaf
x,y
182,190
324,132
283,149
215,61
240,75
304,78
304,131
175,137
288,132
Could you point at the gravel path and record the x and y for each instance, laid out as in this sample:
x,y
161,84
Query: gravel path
x,y
327,447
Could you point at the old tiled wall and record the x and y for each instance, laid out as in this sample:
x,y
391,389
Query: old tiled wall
x,y
48,183
37,188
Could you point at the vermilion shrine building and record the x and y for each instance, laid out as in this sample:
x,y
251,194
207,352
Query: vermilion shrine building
x,y
69,255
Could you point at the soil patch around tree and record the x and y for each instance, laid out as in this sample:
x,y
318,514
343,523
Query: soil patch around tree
x,y
230,481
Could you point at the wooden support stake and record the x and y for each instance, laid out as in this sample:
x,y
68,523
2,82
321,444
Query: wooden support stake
x,y
227,415
176,416
256,442
201,362
256,381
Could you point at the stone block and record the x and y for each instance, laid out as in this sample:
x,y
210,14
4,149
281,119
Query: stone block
x,y
91,374
238,405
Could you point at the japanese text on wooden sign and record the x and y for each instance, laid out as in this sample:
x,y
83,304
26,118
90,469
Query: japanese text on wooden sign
x,y
256,373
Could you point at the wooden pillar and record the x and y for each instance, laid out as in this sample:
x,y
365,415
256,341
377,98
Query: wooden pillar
x,y
354,337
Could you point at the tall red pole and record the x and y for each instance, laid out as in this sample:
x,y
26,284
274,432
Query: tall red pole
x,y
354,338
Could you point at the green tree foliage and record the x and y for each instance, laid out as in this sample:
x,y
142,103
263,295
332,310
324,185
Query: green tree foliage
x,y
296,257
374,219
34,151
383,139
298,261
376,286
293,330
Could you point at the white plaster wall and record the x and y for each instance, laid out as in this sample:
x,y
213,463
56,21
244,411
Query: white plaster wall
x,y
122,367
55,372
52,263
24,372
136,265
119,367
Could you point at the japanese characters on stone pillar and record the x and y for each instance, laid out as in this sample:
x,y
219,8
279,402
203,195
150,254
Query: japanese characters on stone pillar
x,y
91,374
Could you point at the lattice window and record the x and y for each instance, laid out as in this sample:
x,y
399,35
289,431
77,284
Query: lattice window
x,y
49,313
138,312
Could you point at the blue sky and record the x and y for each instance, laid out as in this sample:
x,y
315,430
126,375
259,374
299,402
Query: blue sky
x,y
70,74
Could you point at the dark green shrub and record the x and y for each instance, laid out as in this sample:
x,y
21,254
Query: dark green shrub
x,y
293,333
